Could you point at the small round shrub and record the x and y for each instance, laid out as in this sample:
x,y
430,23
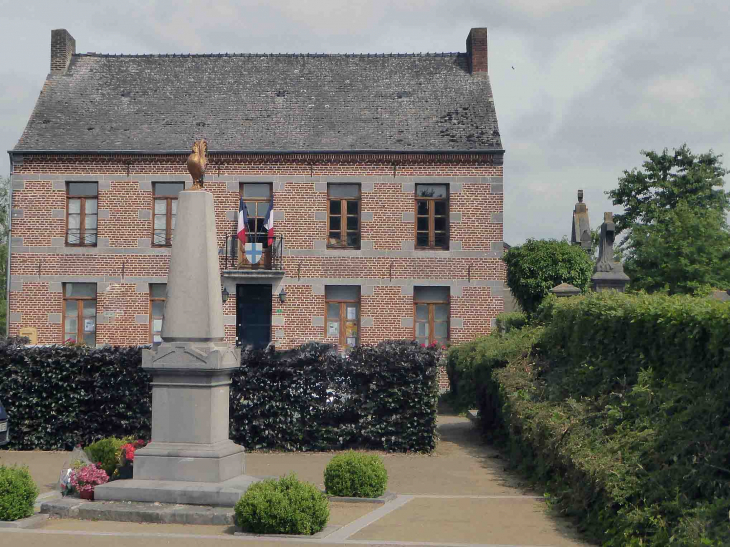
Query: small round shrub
x,y
284,506
17,493
106,452
356,475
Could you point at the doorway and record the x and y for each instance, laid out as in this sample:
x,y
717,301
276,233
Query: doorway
x,y
253,315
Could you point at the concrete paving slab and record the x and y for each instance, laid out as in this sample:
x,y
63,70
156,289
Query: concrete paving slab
x,y
319,535
180,518
60,538
461,465
34,521
388,496
461,472
44,467
506,521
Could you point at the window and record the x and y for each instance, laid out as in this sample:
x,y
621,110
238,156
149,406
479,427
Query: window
x,y
81,213
432,220
431,311
343,218
257,199
165,207
158,294
343,314
79,313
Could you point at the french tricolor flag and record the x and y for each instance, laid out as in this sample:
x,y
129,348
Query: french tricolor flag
x,y
269,222
242,222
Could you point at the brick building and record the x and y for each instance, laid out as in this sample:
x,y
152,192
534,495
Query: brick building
x,y
385,173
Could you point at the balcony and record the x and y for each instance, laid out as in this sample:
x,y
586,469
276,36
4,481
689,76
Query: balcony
x,y
265,259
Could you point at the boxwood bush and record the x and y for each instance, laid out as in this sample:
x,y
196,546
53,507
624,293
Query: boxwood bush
x,y
284,506
310,398
356,475
106,452
17,493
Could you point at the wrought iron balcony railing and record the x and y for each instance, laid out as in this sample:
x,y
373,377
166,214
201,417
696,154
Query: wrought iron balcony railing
x,y
259,253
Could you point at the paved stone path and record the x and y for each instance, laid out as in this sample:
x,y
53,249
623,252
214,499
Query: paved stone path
x,y
459,496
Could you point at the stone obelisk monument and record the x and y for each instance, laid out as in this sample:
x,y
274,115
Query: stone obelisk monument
x,y
190,458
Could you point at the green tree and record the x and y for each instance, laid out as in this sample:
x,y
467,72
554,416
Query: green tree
x,y
667,179
539,265
685,249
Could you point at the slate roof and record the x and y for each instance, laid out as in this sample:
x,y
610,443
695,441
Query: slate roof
x,y
251,102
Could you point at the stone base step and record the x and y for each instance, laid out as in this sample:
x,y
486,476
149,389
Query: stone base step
x,y
219,494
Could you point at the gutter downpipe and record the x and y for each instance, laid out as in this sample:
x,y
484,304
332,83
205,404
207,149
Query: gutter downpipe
x,y
9,240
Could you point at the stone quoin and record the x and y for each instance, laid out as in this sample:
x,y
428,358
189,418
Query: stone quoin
x,y
385,172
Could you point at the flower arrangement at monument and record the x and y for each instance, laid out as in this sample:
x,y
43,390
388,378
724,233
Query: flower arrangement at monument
x,y
85,479
126,458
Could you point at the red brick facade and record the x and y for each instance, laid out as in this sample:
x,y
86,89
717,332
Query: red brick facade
x,y
386,268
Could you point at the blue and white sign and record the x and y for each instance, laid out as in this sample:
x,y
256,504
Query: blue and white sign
x,y
254,252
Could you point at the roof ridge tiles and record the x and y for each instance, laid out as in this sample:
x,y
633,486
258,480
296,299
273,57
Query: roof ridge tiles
x,y
227,54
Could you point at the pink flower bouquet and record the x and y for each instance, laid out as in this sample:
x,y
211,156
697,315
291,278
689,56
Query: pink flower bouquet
x,y
86,478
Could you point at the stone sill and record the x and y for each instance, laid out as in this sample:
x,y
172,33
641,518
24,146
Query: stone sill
x,y
248,274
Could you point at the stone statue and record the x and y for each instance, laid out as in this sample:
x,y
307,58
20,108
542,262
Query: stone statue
x,y
605,261
197,161
608,274
581,234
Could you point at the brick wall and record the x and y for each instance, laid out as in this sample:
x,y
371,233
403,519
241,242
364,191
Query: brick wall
x,y
386,267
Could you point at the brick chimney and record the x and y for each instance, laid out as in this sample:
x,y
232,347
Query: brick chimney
x,y
63,46
476,49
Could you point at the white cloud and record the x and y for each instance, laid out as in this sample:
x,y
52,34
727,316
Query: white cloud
x,y
593,83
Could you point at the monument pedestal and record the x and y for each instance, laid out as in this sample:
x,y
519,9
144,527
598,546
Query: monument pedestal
x,y
190,458
190,401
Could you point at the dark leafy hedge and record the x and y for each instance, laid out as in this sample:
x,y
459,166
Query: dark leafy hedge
x,y
60,396
622,412
381,397
311,398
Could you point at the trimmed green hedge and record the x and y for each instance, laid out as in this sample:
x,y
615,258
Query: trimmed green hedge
x,y
510,320
622,412
311,398
469,365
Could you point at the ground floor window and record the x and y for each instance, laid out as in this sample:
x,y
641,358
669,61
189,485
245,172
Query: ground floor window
x,y
431,312
343,314
79,313
158,292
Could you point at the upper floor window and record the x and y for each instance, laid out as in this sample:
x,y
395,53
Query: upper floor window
x,y
257,200
432,216
158,295
343,215
343,314
81,213
431,310
79,313
165,211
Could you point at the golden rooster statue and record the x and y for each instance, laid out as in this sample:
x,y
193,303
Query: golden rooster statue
x,y
197,162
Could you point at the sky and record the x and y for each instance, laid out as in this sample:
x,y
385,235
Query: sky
x,y
580,87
